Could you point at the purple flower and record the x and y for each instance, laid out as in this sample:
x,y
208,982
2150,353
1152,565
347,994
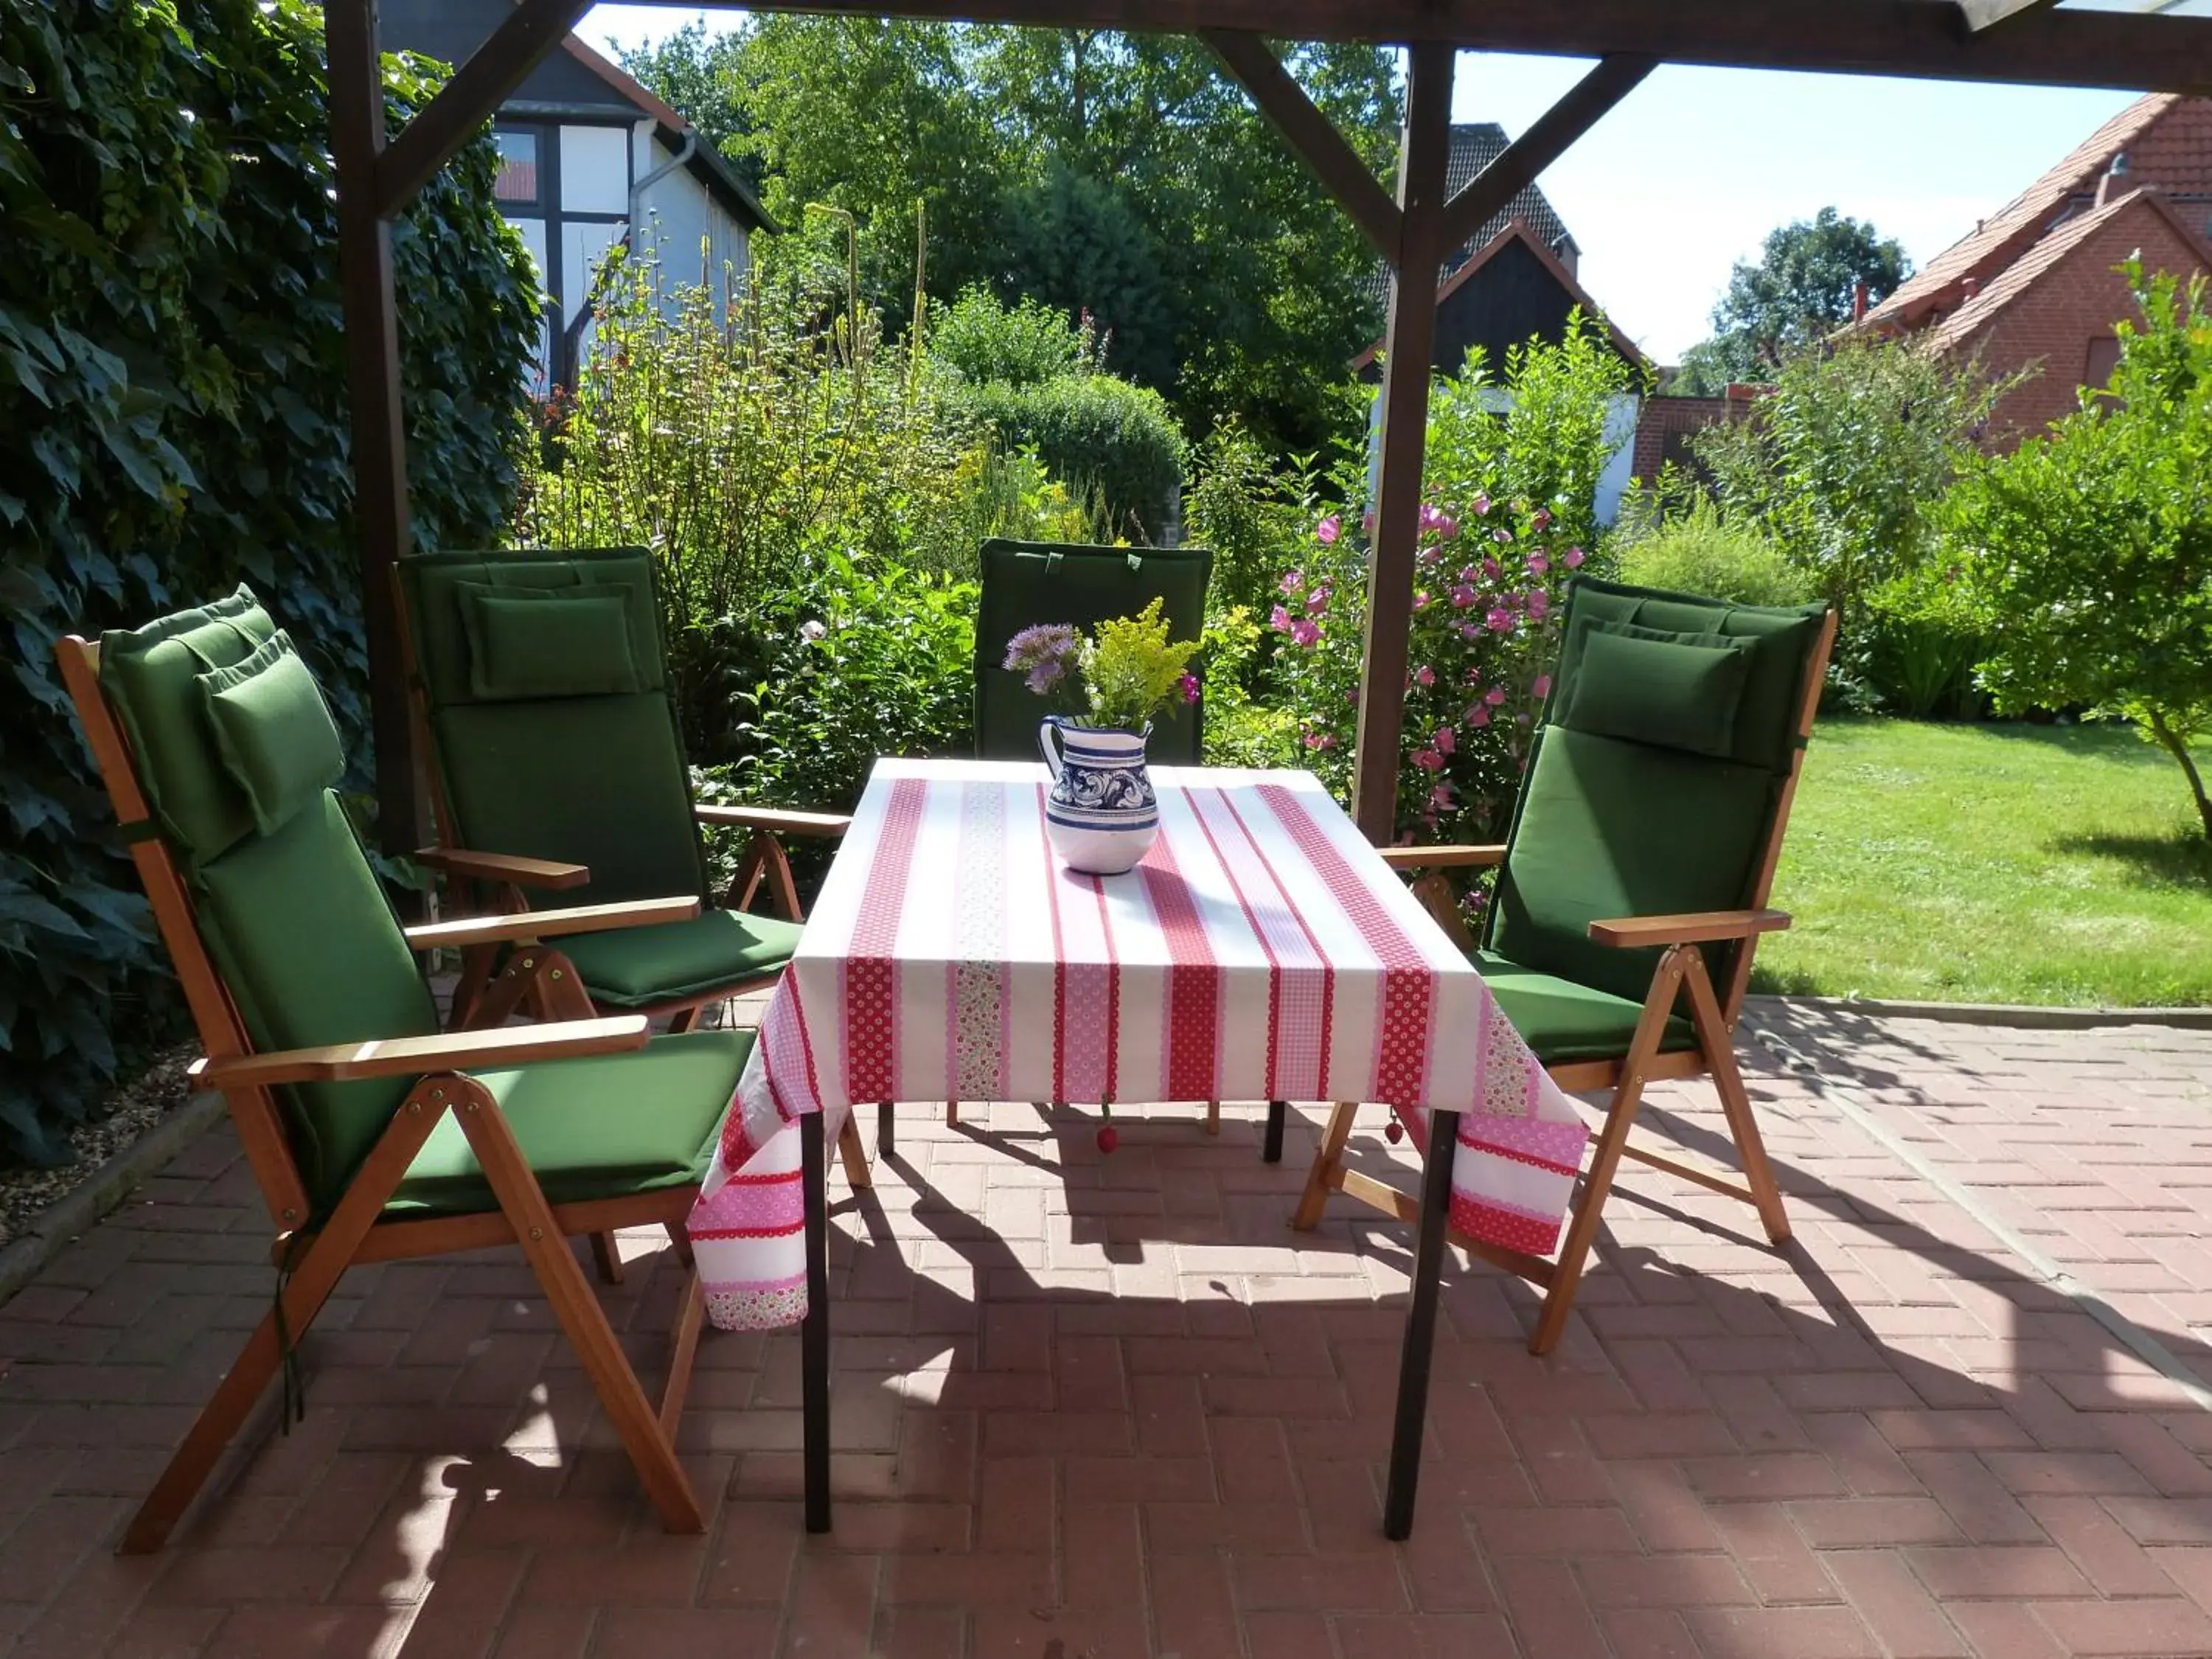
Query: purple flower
x,y
1539,604
1500,620
1320,740
1440,798
1421,600
1188,686
1304,633
1495,696
1328,529
1045,654
1462,597
1445,742
1541,686
1447,526
1538,564
1280,620
1542,521
1425,675
1470,631
1293,582
1575,557
1481,505
1428,760
1430,516
1493,569
1501,535
1317,600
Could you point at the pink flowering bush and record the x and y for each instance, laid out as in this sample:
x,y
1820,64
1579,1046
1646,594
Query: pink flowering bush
x,y
1489,585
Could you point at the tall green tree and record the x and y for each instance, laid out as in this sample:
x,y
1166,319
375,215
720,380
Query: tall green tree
x,y
1802,289
1117,174
2089,548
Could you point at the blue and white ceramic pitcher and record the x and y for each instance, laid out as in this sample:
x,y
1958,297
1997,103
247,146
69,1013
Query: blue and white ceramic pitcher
x,y
1102,814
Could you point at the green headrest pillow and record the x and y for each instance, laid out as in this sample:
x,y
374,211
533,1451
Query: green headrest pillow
x,y
273,730
1671,691
548,641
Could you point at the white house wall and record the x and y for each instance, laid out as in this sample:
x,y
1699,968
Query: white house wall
x,y
693,233
594,169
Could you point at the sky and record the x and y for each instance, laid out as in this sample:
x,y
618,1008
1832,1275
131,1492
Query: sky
x,y
1689,172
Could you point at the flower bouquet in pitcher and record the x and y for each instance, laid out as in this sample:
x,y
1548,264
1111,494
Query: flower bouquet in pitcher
x,y
1102,815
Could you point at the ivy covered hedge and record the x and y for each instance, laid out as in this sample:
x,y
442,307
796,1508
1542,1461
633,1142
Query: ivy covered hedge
x,y
172,420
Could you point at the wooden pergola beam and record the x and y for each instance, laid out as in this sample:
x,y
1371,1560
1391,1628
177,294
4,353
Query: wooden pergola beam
x,y
1253,63
1988,13
465,103
2058,46
1555,132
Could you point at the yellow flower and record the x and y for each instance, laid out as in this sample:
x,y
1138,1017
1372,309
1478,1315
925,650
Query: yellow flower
x,y
1133,669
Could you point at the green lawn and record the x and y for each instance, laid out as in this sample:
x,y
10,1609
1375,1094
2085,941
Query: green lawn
x,y
2005,863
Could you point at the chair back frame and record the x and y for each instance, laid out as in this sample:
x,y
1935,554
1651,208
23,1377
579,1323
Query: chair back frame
x,y
222,1032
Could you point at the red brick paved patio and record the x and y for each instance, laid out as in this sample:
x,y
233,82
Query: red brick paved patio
x,y
1111,1408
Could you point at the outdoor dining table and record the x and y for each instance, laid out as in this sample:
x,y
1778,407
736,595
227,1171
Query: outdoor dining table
x,y
1260,950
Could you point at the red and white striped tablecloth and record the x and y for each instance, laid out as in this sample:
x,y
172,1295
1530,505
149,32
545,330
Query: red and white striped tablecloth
x,y
1260,951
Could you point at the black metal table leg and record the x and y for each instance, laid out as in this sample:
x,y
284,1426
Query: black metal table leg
x,y
886,1144
814,1333
1271,1149
1415,1358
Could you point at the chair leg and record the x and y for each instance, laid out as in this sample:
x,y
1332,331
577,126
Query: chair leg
x,y
1620,1117
683,1349
1271,1144
1719,1046
1417,1355
679,1241
887,1126
1320,1180
651,1452
607,1258
305,1292
952,1111
854,1155
814,1332
1213,1117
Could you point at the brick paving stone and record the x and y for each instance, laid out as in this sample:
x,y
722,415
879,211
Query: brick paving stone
x,y
1115,1407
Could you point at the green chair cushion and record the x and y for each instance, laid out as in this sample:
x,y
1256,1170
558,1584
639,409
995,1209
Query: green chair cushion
x,y
1607,828
149,676
1025,583
435,587
308,947
1562,1021
274,731
612,1125
640,967
599,782
548,641
1780,640
1677,691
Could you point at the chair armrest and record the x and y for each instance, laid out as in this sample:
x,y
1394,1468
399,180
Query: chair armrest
x,y
827,825
1695,928
538,924
1439,858
413,1056
502,867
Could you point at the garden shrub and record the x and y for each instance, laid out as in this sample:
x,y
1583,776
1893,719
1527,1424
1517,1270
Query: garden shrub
x,y
1250,511
1095,433
981,340
1845,466
751,447
2088,550
1698,548
173,418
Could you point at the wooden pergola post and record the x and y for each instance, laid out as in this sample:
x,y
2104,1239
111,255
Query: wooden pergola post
x,y
1408,343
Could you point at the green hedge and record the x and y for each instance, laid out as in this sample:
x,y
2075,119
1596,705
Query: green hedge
x,y
1099,435
172,387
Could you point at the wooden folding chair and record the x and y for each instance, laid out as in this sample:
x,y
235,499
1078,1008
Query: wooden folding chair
x,y
374,1135
1634,881
540,690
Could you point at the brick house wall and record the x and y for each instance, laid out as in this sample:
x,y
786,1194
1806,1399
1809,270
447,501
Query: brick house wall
x,y
2063,320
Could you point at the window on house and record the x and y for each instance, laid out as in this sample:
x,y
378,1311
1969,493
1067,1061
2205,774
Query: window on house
x,y
2100,359
518,166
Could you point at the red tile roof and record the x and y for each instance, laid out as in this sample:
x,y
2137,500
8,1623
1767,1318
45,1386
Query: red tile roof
x,y
2005,234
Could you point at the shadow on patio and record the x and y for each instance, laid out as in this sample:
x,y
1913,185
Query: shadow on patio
x,y
1112,1407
